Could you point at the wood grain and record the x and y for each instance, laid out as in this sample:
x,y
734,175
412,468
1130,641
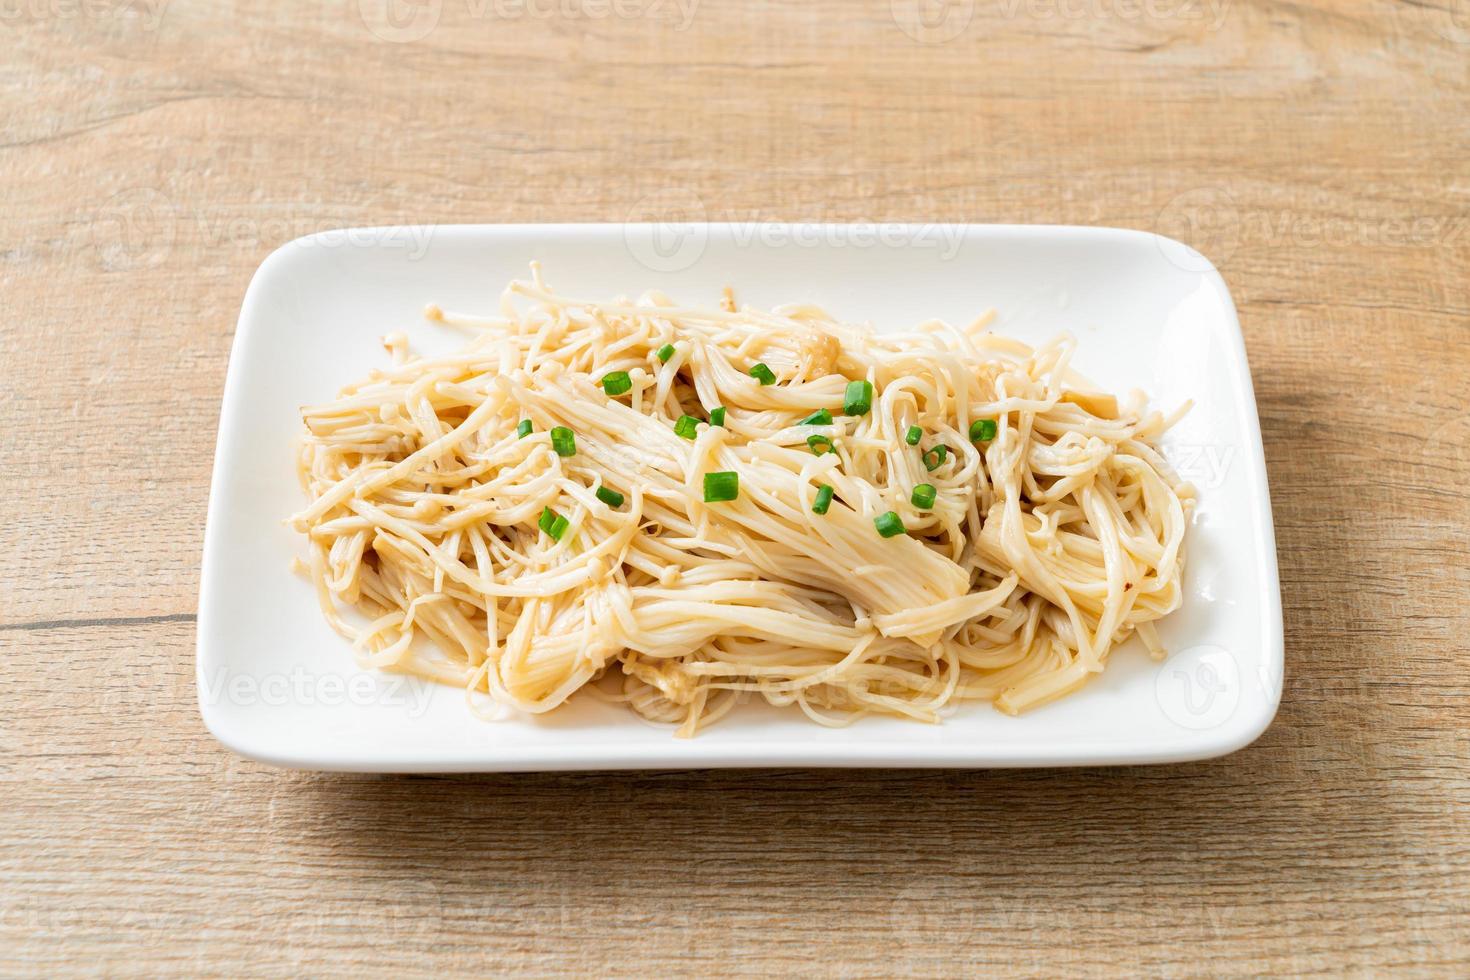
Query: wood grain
x,y
152,154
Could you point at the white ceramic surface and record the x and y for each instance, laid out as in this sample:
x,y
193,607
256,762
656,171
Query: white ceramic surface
x,y
278,685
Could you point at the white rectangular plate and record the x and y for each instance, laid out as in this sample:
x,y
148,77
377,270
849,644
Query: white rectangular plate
x,y
278,685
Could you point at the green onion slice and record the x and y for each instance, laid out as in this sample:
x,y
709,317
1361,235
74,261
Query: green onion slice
x,y
913,436
923,496
763,374
858,398
617,383
524,429
934,458
687,427
665,352
983,430
552,523
823,417
717,416
564,441
889,525
819,444
610,497
823,501
724,485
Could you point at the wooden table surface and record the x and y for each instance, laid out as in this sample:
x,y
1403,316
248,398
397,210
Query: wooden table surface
x,y
152,153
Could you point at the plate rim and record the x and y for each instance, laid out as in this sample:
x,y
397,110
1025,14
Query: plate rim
x,y
1230,737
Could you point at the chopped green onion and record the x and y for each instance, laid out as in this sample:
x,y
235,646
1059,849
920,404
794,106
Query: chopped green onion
x,y
524,429
564,441
720,486
763,374
858,398
923,496
934,458
823,501
617,383
982,430
889,525
913,436
610,497
665,352
552,523
686,427
823,417
717,416
819,444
